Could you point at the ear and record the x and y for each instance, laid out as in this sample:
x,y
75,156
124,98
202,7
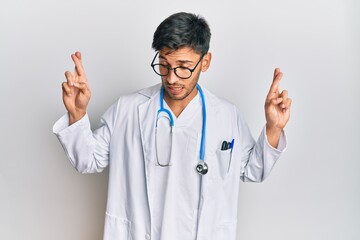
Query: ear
x,y
206,62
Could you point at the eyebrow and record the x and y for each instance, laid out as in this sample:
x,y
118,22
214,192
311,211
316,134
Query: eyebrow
x,y
178,61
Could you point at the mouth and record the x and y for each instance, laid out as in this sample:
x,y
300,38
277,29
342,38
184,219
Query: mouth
x,y
174,89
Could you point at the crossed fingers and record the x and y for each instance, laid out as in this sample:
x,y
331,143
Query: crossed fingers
x,y
275,97
77,79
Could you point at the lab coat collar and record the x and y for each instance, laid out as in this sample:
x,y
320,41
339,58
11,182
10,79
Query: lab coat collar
x,y
150,91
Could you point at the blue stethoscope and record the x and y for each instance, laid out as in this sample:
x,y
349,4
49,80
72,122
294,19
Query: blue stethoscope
x,y
201,166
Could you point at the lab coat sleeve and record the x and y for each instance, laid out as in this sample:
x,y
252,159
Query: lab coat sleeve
x,y
258,158
87,150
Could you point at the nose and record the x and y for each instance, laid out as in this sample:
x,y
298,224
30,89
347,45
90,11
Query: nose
x,y
172,78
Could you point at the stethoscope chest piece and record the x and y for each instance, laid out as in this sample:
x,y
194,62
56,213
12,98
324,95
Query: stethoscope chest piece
x,y
202,168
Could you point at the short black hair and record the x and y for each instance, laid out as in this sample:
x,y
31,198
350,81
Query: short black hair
x,y
183,30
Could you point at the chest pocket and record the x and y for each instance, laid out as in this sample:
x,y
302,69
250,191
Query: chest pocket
x,y
223,159
220,163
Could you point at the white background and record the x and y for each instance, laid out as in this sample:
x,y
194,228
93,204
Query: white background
x,y
313,192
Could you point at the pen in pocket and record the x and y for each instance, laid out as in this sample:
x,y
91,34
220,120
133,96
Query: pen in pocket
x,y
227,145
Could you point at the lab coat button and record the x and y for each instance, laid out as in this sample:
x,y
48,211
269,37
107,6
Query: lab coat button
x,y
147,236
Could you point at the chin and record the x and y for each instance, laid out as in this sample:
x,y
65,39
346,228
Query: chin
x,y
178,97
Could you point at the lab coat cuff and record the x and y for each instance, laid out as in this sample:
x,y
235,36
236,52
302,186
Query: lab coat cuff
x,y
282,145
62,127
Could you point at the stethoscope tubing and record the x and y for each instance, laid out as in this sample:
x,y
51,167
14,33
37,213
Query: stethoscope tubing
x,y
203,130
162,109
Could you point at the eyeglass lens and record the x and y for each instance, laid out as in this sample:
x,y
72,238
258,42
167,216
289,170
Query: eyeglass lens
x,y
164,70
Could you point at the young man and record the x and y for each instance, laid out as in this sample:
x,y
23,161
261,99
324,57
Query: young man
x,y
176,152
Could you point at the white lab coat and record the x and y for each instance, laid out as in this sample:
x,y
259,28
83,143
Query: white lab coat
x,y
125,140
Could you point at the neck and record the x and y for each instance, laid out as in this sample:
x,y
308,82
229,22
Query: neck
x,y
178,105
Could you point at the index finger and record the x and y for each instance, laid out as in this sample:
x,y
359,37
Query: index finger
x,y
274,88
79,69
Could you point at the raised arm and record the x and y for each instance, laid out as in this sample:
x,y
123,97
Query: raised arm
x,y
76,91
87,150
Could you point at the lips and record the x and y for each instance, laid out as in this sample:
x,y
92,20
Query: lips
x,y
175,90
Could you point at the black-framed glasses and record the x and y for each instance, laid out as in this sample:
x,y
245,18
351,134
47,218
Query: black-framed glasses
x,y
180,72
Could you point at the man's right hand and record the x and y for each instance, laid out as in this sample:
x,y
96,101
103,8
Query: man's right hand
x,y
76,91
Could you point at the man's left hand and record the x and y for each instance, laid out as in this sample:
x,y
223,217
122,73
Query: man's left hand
x,y
277,109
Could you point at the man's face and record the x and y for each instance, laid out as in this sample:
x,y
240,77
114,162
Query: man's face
x,y
176,88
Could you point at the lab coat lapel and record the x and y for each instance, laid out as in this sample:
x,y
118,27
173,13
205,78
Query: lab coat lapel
x,y
147,120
